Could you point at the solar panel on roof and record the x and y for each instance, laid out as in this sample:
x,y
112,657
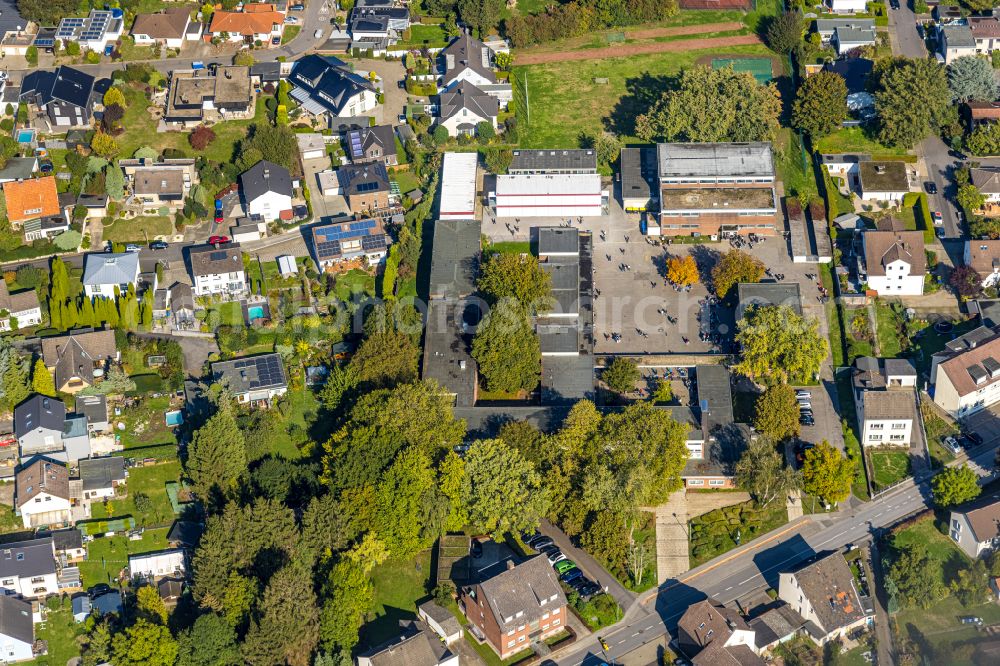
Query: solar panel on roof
x,y
367,187
218,256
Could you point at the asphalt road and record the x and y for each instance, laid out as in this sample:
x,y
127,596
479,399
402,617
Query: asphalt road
x,y
756,567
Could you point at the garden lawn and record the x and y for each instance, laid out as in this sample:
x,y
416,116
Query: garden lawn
x,y
150,481
140,130
715,532
888,331
794,166
889,467
290,32
421,34
354,281
145,425
937,429
564,100
855,140
302,408
406,179
399,586
139,229
60,631
107,556
8,521
230,313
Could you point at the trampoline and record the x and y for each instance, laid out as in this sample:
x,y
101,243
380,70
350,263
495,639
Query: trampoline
x,y
760,68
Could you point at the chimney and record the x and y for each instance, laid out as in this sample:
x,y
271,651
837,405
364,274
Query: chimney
x,y
510,565
879,168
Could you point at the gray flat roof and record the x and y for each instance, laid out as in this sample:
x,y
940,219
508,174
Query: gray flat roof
x,y
829,25
715,396
638,168
559,338
553,160
558,240
768,293
715,159
567,379
455,257
855,35
447,348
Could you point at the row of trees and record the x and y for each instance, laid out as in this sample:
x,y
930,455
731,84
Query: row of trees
x,y
69,308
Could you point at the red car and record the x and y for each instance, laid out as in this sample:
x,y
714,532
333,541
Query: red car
x,y
217,240
218,217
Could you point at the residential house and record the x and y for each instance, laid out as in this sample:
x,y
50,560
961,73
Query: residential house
x,y
540,181
17,630
984,257
717,188
248,229
106,272
883,181
42,494
955,41
775,626
708,628
94,32
513,606
847,38
417,646
372,144
827,28
253,379
194,96
31,199
894,262
181,297
463,107
983,112
95,408
19,310
325,86
64,95
987,180
101,478
263,73
375,24
96,206
77,358
365,186
346,241
823,592
18,168
68,543
888,417
218,269
257,22
312,146
168,28
161,185
170,590
28,568
108,602
440,621
975,527
156,564
267,191
43,428
965,376
847,6
468,59
986,32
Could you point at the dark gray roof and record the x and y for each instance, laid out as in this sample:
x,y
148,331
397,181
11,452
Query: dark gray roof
x,y
265,177
447,350
467,52
94,407
18,168
577,160
328,82
715,396
854,71
900,366
567,379
212,260
380,135
27,558
558,240
65,84
10,19
181,296
455,258
559,338
775,625
15,619
638,169
266,71
768,293
108,603
484,422
441,615
98,473
254,373
467,96
520,589
422,648
67,539
363,178
973,338
186,533
39,411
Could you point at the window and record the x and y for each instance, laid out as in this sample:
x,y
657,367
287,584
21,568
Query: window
x,y
510,643
555,612
20,557
544,627
701,626
717,482
555,622
521,628
877,426
874,438
696,482
510,633
899,426
710,632
897,438
521,639
545,616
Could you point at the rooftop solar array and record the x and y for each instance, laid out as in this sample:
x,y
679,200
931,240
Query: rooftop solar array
x,y
328,239
354,139
90,28
260,371
367,187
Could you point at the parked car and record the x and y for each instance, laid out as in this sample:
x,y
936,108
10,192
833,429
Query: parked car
x,y
931,187
131,247
219,216
158,245
975,437
964,442
291,20
45,167
800,450
218,240
556,556
804,404
318,33
803,394
276,41
571,575
550,548
971,619
938,219
297,8
564,566
544,542
952,445
526,536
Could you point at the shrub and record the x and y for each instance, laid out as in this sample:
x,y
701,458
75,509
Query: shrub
x,y
201,137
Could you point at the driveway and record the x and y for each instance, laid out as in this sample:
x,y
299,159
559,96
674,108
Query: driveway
x,y
903,33
322,206
588,565
391,72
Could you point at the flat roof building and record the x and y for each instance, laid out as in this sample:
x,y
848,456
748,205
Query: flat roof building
x,y
458,186
574,161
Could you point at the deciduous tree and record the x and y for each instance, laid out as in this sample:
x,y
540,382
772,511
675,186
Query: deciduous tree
x,y
406,519
709,105
785,32
970,78
827,474
211,641
683,270
971,586
761,471
735,267
481,15
965,280
820,104
955,485
511,276
104,145
505,491
778,344
387,357
144,644
911,95
621,375
970,198
201,136
916,576
777,413
507,349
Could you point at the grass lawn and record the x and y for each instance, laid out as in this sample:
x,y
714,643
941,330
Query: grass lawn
x,y
889,467
141,229
354,281
888,330
854,140
131,52
399,585
150,481
406,179
290,32
937,429
8,521
929,342
421,34
510,247
107,556
794,165
564,100
141,131
490,657
230,313
61,631
716,532
145,424
302,410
